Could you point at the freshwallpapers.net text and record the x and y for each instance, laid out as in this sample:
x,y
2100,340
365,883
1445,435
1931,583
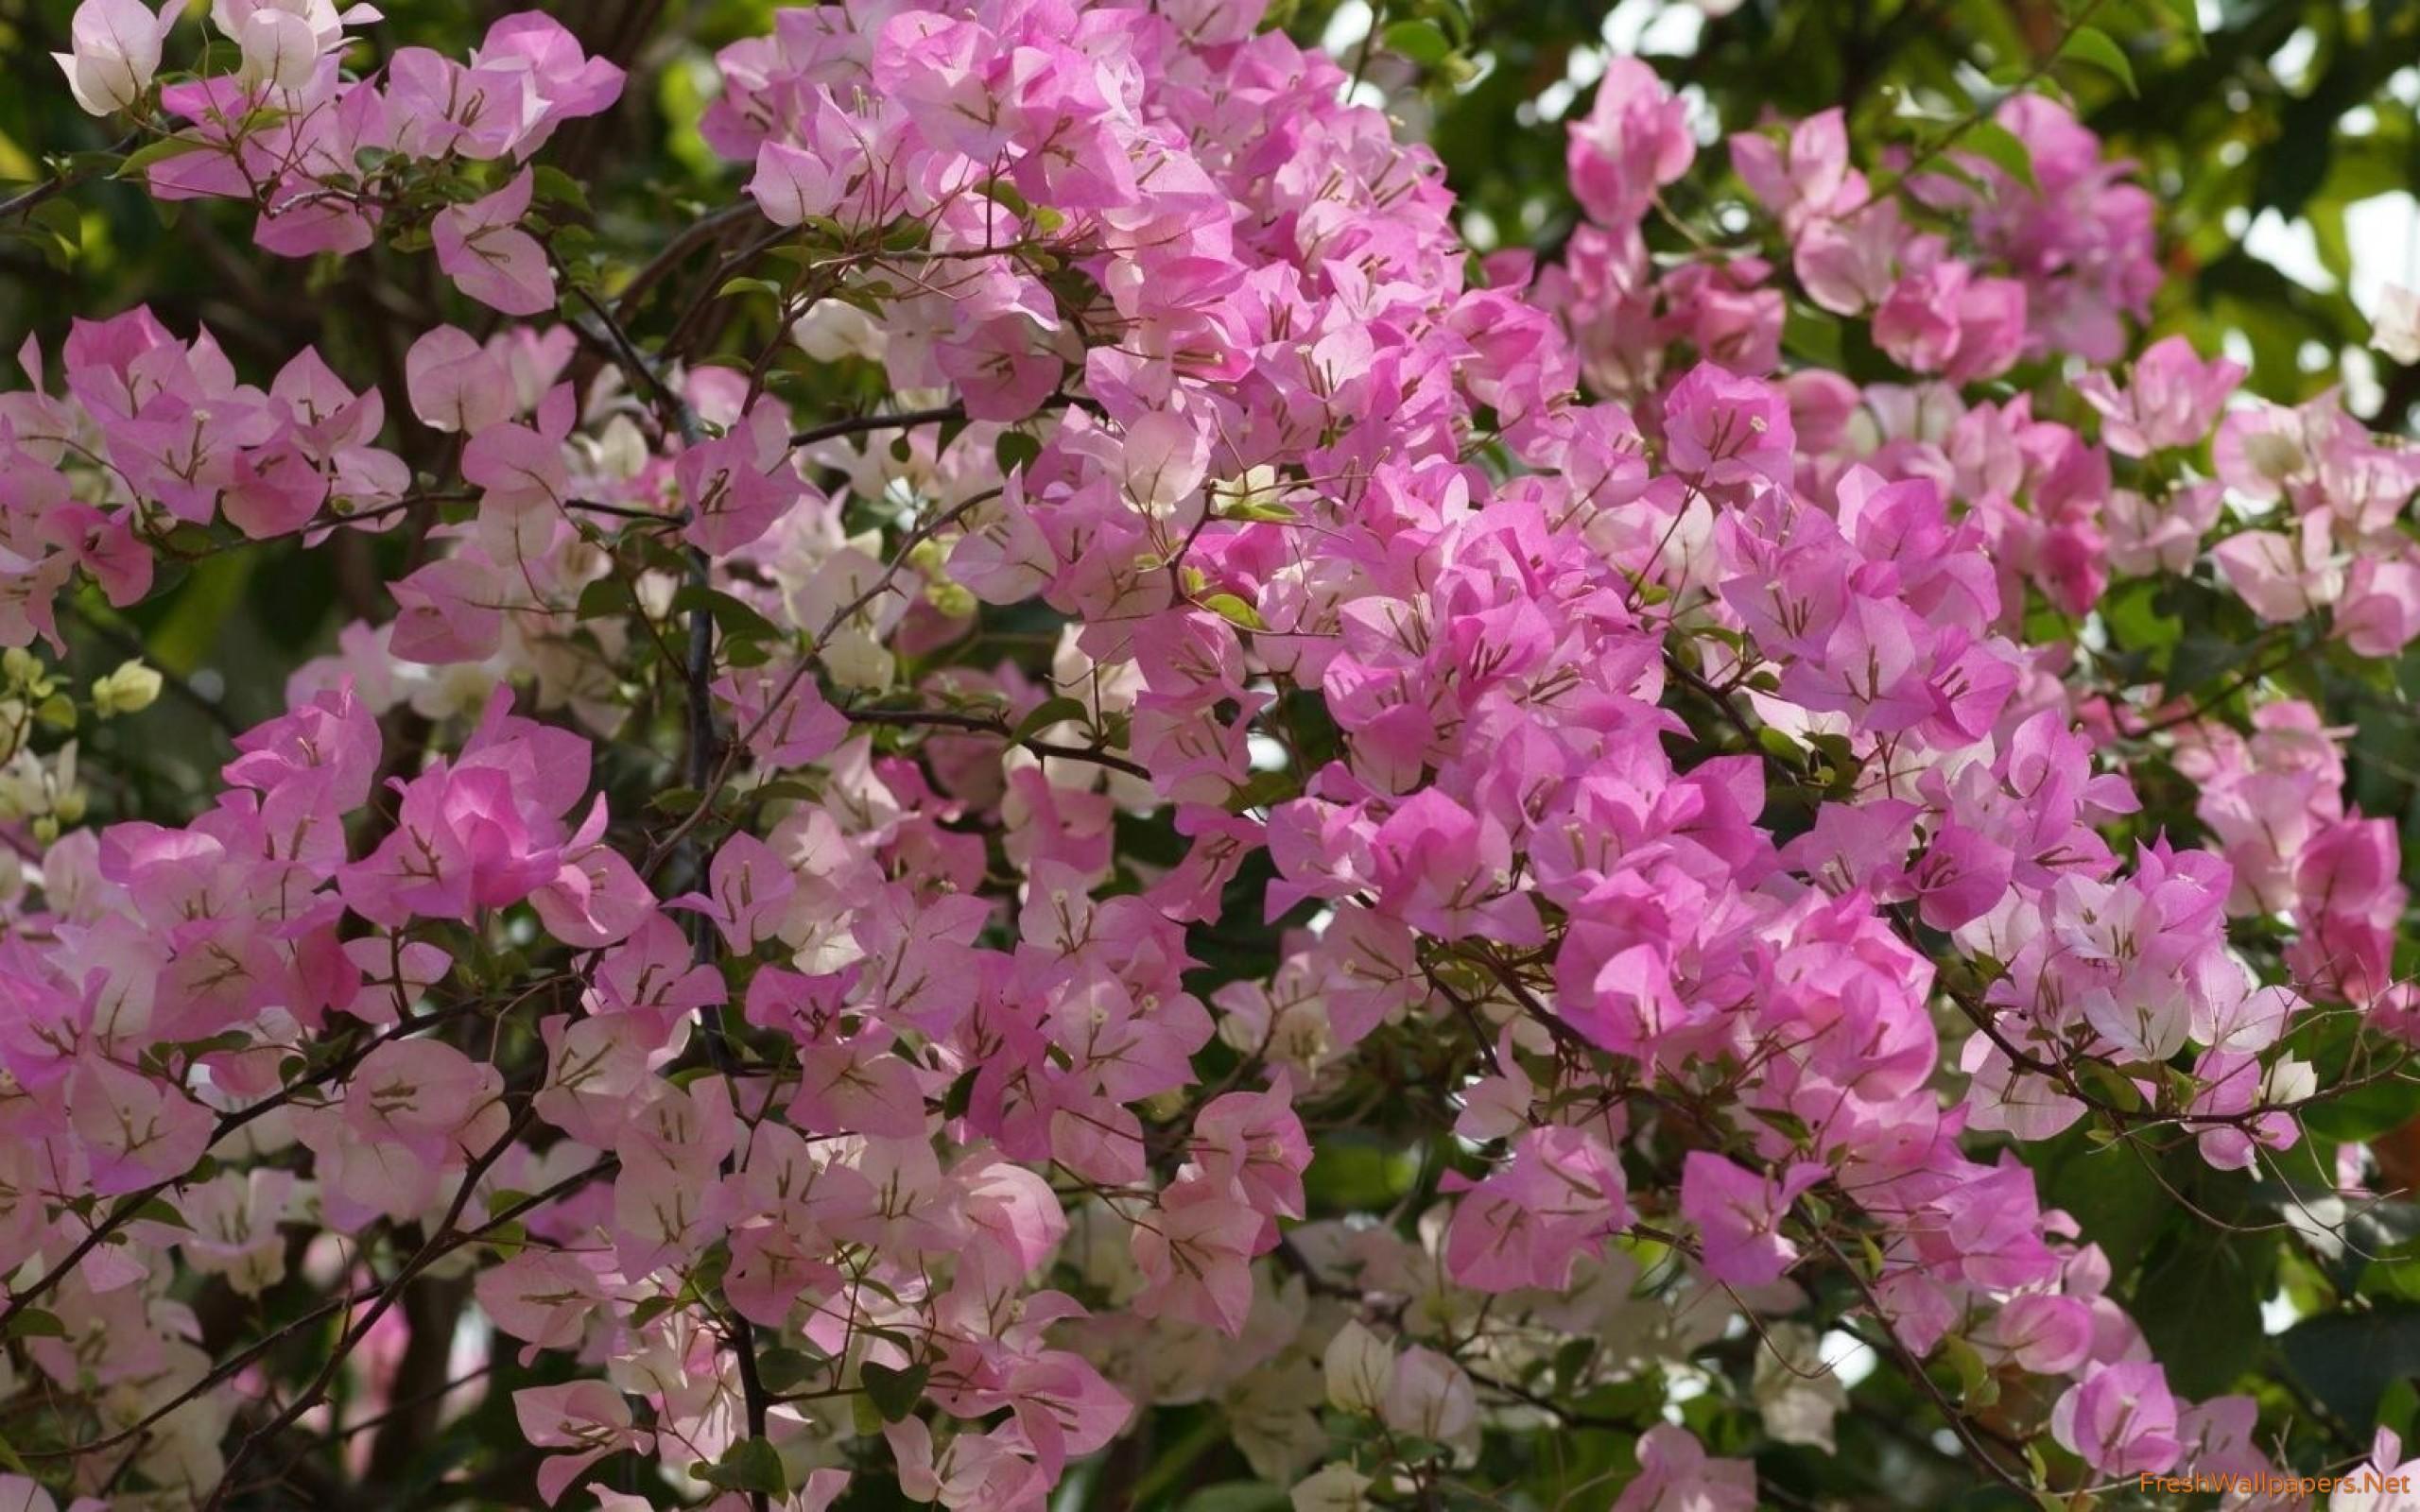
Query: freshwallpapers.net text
x,y
2266,1483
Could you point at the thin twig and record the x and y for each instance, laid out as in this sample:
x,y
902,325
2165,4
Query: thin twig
x,y
989,724
26,200
1950,138
434,1248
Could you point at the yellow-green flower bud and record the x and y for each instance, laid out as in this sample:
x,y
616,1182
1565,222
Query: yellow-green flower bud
x,y
129,690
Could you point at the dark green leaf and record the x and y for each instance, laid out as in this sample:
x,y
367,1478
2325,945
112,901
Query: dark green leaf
x,y
2199,1304
555,184
750,1464
605,598
1235,1496
1052,711
894,1393
2095,46
2349,1360
735,619
782,1369
1015,448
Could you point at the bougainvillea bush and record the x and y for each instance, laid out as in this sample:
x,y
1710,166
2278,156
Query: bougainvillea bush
x,y
1058,809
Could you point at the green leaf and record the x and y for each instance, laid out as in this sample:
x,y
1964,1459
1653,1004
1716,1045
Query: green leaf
x,y
785,790
1975,1386
1571,1361
1259,511
204,606
783,1369
2112,1088
2397,1407
2093,45
2395,1273
2349,1360
164,149
63,220
1052,711
553,183
961,1093
708,1272
1015,448
894,1393
735,619
2199,1305
1358,1174
948,431
33,1323
1778,744
2187,16
2364,1113
507,1239
2003,149
1423,42
1004,194
1265,790
2201,659
158,1210
1789,1126
605,598
1811,334
2113,1195
230,1039
1235,612
750,1464
1235,1496
2138,620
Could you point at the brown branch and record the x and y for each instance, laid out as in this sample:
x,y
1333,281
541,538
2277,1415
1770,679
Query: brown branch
x,y
860,424
1914,1371
1974,118
236,1364
664,847
989,724
705,228
133,1204
909,419
430,1251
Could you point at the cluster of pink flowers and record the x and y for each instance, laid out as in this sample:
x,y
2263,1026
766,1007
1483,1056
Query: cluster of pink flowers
x,y
2273,799
1681,767
2345,491
308,145
153,431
